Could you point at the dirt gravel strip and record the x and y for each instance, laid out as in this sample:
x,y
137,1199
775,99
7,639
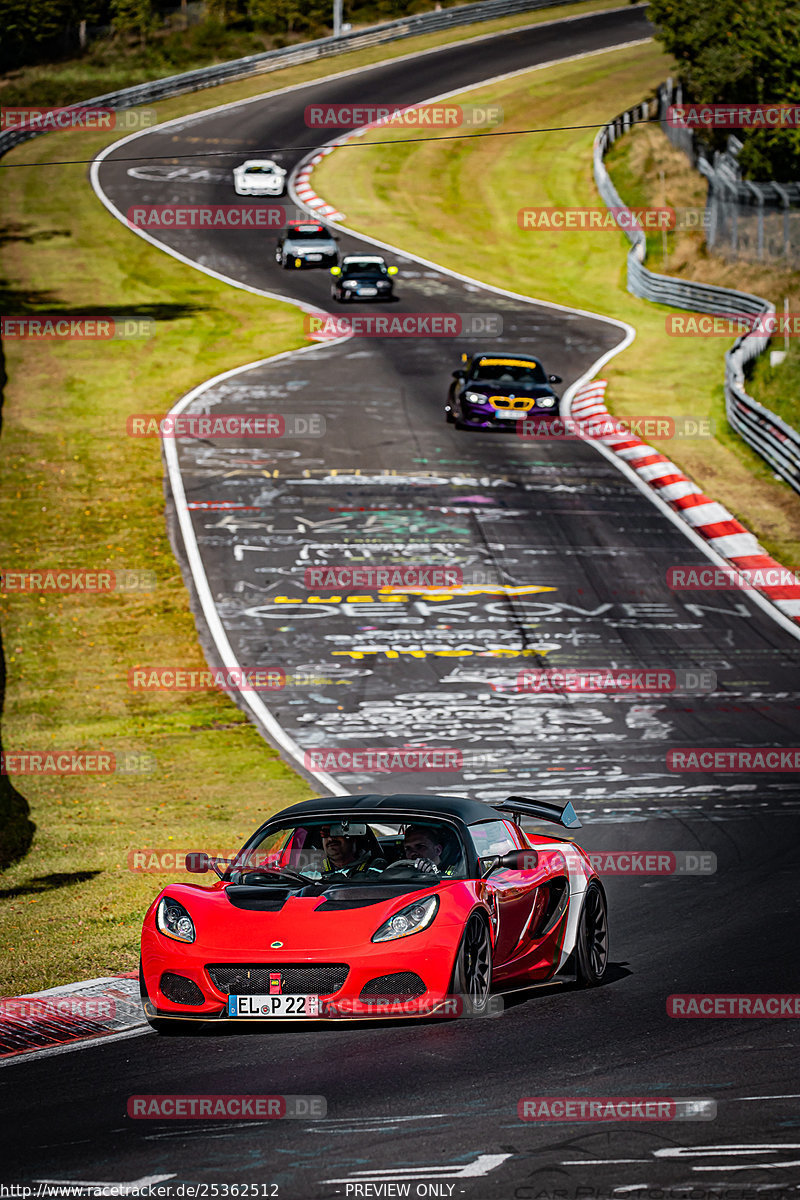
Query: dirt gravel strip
x,y
69,1013
712,521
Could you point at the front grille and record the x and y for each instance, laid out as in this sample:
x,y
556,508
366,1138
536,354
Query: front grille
x,y
309,979
511,402
402,986
180,990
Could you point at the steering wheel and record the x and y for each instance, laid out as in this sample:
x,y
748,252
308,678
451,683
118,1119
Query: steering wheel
x,y
412,862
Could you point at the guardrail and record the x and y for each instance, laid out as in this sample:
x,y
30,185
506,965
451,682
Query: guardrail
x,y
763,430
290,56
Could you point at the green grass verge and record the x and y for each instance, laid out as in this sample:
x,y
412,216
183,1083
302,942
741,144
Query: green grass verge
x,y
111,65
78,492
779,387
461,211
648,170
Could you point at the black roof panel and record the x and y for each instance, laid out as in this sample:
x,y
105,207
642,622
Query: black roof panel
x,y
460,807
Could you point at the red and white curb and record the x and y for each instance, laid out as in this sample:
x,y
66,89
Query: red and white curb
x,y
712,521
69,1013
306,193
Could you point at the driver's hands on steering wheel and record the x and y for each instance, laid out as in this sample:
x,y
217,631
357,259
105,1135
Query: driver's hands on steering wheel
x,y
419,864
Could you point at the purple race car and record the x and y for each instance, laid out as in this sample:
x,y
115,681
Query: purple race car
x,y
494,391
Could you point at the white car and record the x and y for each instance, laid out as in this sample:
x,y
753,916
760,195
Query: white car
x,y
259,177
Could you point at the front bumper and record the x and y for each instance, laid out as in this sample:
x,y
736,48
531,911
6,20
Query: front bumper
x,y
367,296
299,262
474,416
429,955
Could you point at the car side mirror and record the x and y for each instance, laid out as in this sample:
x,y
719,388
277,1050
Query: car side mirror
x,y
459,375
197,863
392,270
555,378
514,860
336,270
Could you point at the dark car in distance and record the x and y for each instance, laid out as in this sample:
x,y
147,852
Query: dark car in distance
x,y
362,277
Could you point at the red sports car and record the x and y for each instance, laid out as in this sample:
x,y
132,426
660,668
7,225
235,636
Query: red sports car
x,y
376,906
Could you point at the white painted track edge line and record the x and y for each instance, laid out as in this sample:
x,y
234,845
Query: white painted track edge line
x,y
223,647
210,612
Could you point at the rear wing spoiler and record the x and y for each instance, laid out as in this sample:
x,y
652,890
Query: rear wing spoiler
x,y
524,806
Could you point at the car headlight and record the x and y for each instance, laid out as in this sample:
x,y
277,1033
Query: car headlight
x,y
545,401
173,920
474,397
350,283
408,920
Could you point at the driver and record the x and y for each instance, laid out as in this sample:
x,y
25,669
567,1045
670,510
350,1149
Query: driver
x,y
420,846
347,855
423,846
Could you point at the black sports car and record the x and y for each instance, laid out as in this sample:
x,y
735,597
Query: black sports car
x,y
306,244
494,391
362,277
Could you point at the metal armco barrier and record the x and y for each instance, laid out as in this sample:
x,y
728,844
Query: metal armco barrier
x,y
776,442
273,60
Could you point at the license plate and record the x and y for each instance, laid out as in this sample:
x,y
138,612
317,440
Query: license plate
x,y
313,257
510,414
260,1007
367,291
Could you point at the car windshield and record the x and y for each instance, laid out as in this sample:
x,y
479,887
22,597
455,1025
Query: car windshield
x,y
353,850
506,370
304,232
368,269
260,170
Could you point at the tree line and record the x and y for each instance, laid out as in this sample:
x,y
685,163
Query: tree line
x,y
744,52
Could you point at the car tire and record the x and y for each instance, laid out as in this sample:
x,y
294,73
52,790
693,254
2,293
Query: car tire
x,y
591,943
472,972
167,1026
